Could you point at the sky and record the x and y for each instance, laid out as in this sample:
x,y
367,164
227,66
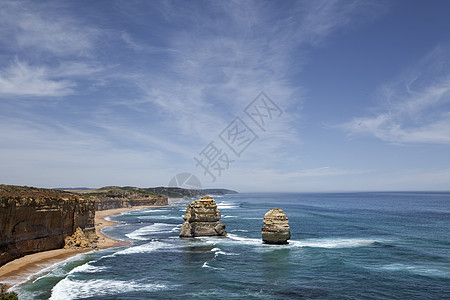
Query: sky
x,y
255,96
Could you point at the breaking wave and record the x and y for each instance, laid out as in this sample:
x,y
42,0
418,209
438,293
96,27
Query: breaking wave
x,y
142,233
79,289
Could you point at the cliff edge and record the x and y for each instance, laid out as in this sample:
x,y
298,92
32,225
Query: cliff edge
x,y
36,219
112,197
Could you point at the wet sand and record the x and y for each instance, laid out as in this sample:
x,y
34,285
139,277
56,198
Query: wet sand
x,y
19,270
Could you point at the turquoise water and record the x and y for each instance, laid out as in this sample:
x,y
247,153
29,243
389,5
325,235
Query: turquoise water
x,y
343,246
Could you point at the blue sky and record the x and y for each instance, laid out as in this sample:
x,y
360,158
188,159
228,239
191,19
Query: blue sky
x,y
96,93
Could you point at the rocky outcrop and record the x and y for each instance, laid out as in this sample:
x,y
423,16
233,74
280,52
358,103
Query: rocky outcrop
x,y
202,219
34,220
80,240
276,227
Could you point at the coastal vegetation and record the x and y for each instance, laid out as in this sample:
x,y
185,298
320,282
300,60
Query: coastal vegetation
x,y
4,295
134,192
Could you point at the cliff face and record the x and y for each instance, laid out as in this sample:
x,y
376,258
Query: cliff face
x,y
33,220
112,197
202,219
105,202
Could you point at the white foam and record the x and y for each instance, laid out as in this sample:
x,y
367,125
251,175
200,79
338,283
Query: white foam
x,y
48,270
332,243
229,217
227,205
218,251
87,268
416,269
205,265
244,240
208,240
142,233
176,228
153,210
313,243
76,289
160,217
145,248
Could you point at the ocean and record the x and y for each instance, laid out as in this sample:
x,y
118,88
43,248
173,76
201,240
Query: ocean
x,y
381,245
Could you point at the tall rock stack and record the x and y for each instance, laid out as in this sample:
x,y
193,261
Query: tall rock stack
x,y
276,227
202,219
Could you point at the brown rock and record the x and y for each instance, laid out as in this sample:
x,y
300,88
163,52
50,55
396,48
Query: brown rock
x,y
276,227
202,219
34,220
80,240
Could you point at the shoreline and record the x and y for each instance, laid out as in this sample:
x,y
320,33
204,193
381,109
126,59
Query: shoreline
x,y
21,269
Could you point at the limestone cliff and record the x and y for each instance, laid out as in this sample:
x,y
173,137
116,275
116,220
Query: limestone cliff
x,y
276,228
202,219
34,219
112,197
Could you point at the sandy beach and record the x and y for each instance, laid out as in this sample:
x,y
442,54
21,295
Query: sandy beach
x,y
22,268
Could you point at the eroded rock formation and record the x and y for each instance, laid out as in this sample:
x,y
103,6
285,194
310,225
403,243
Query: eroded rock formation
x,y
80,240
34,220
276,227
202,219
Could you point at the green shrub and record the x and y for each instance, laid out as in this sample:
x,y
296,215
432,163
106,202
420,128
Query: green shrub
x,y
9,296
5,295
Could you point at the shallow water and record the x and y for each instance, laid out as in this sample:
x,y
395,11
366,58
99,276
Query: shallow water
x,y
343,246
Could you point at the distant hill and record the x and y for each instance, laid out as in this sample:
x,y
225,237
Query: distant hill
x,y
129,191
219,191
72,189
176,192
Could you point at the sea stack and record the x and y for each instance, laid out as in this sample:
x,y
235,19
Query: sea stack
x,y
276,227
202,219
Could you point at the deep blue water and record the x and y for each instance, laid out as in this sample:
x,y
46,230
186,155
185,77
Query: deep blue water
x,y
343,246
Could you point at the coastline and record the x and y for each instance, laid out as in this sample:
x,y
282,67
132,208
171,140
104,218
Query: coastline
x,y
19,270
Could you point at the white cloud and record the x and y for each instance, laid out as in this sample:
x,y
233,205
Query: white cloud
x,y
417,108
321,18
21,79
46,50
25,80
36,26
221,64
205,77
47,152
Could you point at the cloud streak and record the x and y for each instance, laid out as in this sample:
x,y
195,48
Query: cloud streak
x,y
21,79
417,108
40,27
158,95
